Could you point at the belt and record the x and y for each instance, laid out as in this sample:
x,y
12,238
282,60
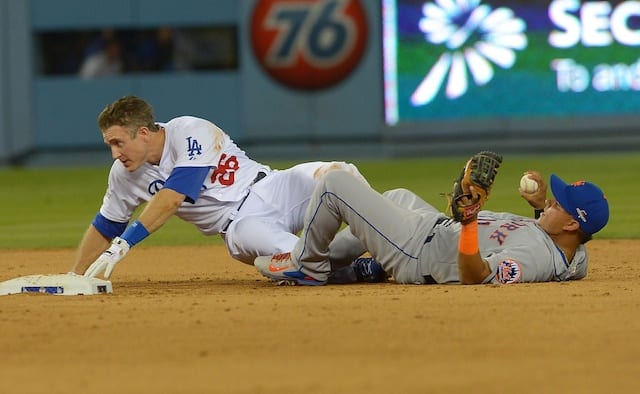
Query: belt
x,y
257,179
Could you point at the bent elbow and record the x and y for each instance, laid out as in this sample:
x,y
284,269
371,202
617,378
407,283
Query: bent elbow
x,y
171,198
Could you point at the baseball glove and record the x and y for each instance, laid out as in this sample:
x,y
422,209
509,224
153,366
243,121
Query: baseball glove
x,y
479,172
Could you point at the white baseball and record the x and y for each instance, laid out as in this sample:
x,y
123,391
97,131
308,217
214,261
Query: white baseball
x,y
528,185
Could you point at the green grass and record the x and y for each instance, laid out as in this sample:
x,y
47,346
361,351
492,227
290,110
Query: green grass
x,y
51,208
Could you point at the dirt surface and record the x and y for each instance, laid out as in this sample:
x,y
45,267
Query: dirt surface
x,y
192,320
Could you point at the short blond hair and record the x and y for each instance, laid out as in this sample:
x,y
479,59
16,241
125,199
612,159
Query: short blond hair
x,y
130,112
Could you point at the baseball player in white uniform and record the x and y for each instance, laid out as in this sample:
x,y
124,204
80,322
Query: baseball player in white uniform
x,y
191,168
415,243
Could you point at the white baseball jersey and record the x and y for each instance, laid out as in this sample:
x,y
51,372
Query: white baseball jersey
x,y
254,219
189,142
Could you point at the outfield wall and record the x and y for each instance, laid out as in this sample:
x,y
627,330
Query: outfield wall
x,y
360,104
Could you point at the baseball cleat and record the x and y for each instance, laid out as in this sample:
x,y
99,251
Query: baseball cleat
x,y
286,282
282,268
369,270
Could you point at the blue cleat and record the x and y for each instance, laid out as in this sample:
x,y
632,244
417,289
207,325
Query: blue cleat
x,y
284,270
367,269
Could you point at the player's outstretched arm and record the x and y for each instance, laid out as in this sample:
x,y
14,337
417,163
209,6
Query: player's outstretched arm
x,y
159,209
92,244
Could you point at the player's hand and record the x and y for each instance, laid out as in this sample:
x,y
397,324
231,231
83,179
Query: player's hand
x,y
538,199
108,260
470,197
472,188
469,203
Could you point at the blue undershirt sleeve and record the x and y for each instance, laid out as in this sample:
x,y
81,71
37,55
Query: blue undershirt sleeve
x,y
108,228
187,181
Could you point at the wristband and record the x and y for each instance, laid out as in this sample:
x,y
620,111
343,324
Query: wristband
x,y
468,242
135,233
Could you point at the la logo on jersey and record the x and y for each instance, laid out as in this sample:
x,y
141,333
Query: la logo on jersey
x,y
308,44
193,148
473,36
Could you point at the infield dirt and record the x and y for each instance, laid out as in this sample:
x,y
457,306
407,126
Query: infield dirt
x,y
192,320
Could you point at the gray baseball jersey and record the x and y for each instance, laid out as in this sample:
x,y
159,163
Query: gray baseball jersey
x,y
515,247
416,243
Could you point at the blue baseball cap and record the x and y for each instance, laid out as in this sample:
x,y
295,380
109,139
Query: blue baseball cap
x,y
584,201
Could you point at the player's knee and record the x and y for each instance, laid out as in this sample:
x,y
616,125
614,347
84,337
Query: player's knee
x,y
242,257
338,166
397,195
328,167
243,244
252,237
337,177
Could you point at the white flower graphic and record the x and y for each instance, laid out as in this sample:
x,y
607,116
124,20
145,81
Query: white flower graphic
x,y
475,36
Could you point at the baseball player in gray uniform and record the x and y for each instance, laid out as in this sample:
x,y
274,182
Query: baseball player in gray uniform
x,y
415,243
191,168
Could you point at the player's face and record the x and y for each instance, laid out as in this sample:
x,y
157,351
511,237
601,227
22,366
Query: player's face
x,y
132,152
554,219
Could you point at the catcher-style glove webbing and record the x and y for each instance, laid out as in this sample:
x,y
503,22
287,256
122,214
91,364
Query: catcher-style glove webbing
x,y
479,172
